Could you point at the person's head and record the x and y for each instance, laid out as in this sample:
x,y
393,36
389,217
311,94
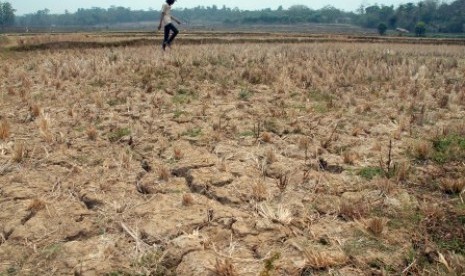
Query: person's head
x,y
170,2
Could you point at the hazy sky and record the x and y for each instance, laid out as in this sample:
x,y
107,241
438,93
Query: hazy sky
x,y
59,6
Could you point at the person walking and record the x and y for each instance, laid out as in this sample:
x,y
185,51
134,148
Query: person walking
x,y
166,20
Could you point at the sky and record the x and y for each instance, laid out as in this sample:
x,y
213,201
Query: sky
x,y
57,6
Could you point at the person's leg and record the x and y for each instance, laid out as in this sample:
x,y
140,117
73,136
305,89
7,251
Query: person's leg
x,y
167,35
174,34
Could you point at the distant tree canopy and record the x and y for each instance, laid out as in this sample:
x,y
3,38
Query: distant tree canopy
x,y
437,16
7,15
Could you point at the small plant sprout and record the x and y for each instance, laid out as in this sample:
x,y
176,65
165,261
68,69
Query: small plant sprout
x,y
283,182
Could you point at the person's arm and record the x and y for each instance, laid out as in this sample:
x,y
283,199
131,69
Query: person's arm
x,y
161,19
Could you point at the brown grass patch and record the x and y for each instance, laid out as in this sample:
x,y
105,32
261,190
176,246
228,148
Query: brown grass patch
x,y
376,226
19,152
323,259
353,209
453,186
422,150
225,268
164,173
259,191
36,205
178,154
187,200
349,157
92,133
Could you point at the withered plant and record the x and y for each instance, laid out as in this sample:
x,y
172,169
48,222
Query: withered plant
x,y
35,110
187,200
259,191
19,152
4,129
376,226
44,124
270,156
422,150
178,154
349,157
349,210
163,173
91,133
224,268
283,182
453,186
317,259
304,144
266,137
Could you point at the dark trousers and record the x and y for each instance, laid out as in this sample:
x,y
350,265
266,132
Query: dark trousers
x,y
170,27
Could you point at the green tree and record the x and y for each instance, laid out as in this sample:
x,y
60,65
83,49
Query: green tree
x,y
420,29
382,28
7,15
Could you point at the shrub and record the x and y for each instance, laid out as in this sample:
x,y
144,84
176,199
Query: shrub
x,y
420,29
382,28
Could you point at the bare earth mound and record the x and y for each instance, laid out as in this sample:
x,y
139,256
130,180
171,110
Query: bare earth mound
x,y
246,159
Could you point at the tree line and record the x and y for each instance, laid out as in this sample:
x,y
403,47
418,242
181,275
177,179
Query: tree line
x,y
431,15
7,15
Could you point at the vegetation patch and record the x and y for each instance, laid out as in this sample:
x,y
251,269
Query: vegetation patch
x,y
370,172
449,148
118,134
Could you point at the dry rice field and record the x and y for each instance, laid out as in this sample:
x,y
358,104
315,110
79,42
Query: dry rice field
x,y
323,158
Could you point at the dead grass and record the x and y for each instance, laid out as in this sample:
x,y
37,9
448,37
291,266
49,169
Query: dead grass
x,y
266,137
19,152
259,191
36,205
350,210
349,157
35,110
422,150
377,226
223,115
178,154
453,186
163,173
224,268
187,200
317,259
92,133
